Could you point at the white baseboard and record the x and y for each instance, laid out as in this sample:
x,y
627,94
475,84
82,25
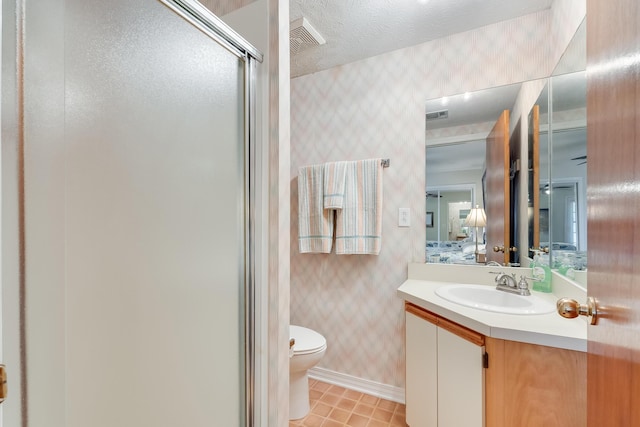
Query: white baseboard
x,y
384,391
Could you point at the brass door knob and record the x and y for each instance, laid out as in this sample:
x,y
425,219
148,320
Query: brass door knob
x,y
540,249
571,308
501,249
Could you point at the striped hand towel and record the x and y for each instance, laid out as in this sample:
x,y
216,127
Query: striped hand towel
x,y
315,224
359,223
334,180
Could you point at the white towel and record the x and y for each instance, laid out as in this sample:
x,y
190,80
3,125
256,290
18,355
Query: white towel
x,y
315,224
359,222
334,180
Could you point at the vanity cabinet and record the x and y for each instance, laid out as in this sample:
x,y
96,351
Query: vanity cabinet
x,y
458,377
444,372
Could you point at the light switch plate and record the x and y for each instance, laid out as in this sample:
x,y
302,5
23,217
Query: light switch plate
x,y
404,217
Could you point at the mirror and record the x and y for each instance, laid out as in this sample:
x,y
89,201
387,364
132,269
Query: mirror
x,y
456,131
457,122
567,220
561,194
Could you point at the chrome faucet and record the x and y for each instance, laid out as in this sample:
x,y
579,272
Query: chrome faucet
x,y
508,283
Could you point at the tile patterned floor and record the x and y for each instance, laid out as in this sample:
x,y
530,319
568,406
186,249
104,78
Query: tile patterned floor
x,y
334,406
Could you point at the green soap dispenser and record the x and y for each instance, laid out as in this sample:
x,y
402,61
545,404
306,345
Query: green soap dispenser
x,y
541,273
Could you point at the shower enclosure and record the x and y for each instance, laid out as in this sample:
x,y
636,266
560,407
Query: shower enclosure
x,y
126,221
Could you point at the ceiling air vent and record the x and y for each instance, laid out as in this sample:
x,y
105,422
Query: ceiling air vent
x,y
435,115
303,36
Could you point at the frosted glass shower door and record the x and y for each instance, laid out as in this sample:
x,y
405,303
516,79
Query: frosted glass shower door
x,y
154,222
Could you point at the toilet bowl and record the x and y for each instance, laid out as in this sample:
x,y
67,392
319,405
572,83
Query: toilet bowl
x,y
308,348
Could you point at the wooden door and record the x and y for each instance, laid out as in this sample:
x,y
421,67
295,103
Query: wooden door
x,y
534,178
497,189
613,198
514,191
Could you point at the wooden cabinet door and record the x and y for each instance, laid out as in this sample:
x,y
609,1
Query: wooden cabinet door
x,y
460,382
444,372
421,372
530,385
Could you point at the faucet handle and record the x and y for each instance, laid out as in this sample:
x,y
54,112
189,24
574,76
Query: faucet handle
x,y
499,276
523,282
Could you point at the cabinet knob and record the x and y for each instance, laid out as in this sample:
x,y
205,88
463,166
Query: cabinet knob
x,y
570,309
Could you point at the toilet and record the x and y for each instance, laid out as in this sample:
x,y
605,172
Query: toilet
x,y
308,347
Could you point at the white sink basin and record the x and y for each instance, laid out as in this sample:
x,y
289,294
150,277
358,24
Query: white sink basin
x,y
489,298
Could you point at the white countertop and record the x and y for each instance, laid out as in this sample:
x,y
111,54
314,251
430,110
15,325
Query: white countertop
x,y
543,329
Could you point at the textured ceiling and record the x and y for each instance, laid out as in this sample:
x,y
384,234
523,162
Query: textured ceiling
x,y
358,29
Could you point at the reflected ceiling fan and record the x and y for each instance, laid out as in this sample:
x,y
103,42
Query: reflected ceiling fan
x,y
433,195
580,158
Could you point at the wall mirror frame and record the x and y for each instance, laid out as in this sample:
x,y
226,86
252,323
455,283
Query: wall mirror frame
x,y
465,128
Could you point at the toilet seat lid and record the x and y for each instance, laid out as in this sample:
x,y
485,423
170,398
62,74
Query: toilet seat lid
x,y
307,340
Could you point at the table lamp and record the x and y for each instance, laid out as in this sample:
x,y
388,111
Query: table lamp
x,y
476,218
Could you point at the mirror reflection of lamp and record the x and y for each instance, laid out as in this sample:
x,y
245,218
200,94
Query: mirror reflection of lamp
x,y
477,218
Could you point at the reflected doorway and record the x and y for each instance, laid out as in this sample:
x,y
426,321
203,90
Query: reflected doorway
x,y
447,235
